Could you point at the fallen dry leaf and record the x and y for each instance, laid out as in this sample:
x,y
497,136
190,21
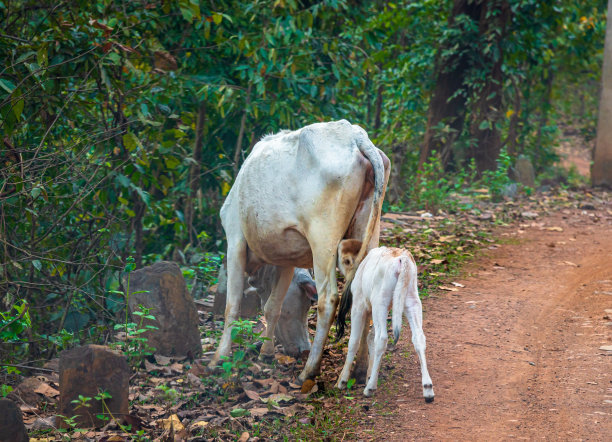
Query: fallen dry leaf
x,y
285,359
307,386
244,437
172,422
46,390
457,284
555,229
162,360
279,397
253,395
449,289
199,424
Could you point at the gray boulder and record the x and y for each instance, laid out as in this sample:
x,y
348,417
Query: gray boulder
x,y
161,287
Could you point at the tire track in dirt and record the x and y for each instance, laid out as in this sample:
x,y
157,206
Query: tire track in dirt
x,y
515,354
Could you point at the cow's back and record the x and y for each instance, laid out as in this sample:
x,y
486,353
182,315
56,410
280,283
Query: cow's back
x,y
287,180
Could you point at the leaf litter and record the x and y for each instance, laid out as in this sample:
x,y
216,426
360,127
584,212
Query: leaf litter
x,y
174,399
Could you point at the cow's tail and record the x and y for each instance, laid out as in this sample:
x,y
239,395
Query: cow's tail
x,y
403,283
370,151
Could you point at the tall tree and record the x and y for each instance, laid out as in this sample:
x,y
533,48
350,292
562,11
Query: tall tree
x,y
469,80
601,172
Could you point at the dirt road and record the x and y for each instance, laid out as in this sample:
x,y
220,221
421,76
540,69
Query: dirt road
x,y
515,354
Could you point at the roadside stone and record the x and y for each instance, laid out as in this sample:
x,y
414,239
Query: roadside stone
x,y
45,423
12,428
87,371
162,289
524,171
606,347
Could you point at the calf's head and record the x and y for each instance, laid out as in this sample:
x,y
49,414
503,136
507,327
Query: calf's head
x,y
347,251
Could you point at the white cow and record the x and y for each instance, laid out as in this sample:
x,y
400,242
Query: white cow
x,y
297,195
386,276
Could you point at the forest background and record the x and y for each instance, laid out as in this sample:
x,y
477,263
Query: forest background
x,y
124,123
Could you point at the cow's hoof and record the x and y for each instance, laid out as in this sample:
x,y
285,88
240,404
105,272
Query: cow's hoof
x,y
429,399
341,385
369,392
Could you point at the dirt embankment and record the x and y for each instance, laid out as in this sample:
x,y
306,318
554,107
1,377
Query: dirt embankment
x,y
515,354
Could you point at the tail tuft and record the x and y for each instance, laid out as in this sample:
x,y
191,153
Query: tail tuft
x,y
346,302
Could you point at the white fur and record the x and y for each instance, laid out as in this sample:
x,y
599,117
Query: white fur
x,y
386,276
295,198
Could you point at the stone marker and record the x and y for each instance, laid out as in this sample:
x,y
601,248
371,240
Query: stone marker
x,y
11,423
524,171
87,371
176,317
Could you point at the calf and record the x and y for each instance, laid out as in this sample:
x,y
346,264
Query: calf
x,y
385,276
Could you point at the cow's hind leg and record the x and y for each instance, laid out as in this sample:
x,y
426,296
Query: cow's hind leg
x,y
358,323
272,310
413,311
236,266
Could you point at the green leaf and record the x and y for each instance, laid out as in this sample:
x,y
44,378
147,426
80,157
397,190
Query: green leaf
x,y
485,124
7,85
130,141
239,412
217,18
172,162
37,265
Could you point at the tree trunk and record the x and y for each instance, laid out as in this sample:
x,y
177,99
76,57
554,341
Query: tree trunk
x,y
447,105
601,172
194,173
487,107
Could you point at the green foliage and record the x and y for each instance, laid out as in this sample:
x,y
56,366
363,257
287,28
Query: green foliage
x,y
245,338
135,346
5,390
14,322
497,180
123,124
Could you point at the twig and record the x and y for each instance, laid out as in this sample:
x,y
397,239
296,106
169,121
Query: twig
x,y
28,367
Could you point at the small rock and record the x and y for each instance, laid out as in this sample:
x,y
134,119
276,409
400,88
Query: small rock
x,y
529,215
86,371
45,423
12,428
606,347
161,287
524,171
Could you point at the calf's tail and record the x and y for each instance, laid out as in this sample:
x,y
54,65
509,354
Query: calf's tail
x,y
346,302
402,285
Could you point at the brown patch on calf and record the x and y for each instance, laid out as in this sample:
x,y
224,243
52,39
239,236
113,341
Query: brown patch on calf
x,y
349,247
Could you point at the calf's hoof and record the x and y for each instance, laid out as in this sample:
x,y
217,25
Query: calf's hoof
x,y
341,385
428,393
368,392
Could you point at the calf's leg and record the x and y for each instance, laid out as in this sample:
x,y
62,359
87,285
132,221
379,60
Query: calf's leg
x,y
379,318
361,370
358,323
413,311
